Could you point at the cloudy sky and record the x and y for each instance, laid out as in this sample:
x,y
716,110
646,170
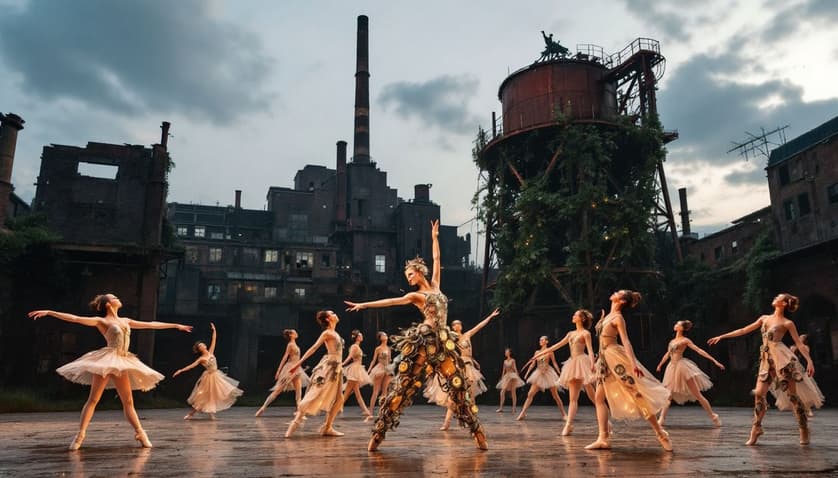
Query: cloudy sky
x,y
255,90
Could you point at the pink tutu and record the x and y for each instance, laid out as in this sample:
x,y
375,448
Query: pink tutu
x,y
285,382
109,361
576,368
355,371
544,378
509,380
380,370
215,391
678,373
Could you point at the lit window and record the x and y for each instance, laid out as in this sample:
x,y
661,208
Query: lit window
x,y
216,235
271,255
215,254
270,292
200,231
300,292
734,246
380,263
305,260
790,209
182,231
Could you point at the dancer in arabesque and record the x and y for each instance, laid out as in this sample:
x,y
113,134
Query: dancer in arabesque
x,y
285,381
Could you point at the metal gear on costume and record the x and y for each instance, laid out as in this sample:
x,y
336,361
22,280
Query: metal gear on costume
x,y
425,351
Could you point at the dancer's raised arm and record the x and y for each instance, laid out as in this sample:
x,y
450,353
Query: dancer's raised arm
x,y
704,354
411,298
212,341
320,341
436,280
738,332
188,367
88,321
481,324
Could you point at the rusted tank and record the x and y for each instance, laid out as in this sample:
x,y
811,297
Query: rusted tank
x,y
537,94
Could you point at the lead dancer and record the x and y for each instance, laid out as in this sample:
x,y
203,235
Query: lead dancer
x,y
629,395
779,369
112,366
426,348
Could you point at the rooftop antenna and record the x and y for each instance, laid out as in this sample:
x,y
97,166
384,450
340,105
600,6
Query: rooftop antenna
x,y
760,144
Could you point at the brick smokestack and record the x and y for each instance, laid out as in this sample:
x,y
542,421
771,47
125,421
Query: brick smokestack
x,y
10,124
238,198
685,212
164,134
422,193
340,197
361,142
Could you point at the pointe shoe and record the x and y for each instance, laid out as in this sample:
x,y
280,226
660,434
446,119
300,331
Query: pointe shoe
x,y
521,416
331,432
661,421
514,410
212,416
188,416
804,436
77,441
368,417
599,444
480,440
717,422
756,432
664,440
142,438
610,429
567,430
292,426
445,426
499,410
259,412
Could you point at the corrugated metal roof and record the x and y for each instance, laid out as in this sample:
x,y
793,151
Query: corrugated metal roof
x,y
804,142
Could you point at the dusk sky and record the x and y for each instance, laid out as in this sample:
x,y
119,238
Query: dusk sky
x,y
255,90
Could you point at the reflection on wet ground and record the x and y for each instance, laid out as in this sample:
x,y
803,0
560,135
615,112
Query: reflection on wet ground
x,y
239,445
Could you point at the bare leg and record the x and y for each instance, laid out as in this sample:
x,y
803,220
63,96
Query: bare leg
x,y
575,387
350,387
96,389
268,401
298,390
603,439
328,426
514,393
448,414
502,398
664,410
702,400
554,391
360,399
760,407
376,388
533,390
123,388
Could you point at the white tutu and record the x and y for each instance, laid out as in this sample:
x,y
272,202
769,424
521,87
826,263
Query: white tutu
x,y
576,368
381,370
355,371
544,378
510,380
215,391
678,373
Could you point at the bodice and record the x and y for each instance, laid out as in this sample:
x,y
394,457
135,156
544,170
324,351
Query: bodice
x,y
541,363
293,353
436,309
355,353
211,364
119,338
508,365
338,345
384,356
576,344
676,350
772,334
465,347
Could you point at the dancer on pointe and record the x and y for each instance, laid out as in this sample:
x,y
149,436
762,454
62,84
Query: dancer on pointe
x,y
475,379
543,376
214,391
285,381
804,339
323,392
509,381
112,366
577,371
356,376
779,369
683,377
381,368
631,391
426,348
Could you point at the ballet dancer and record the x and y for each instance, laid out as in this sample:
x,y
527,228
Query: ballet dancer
x,y
682,377
543,374
426,348
214,391
381,368
112,366
630,390
779,369
509,381
356,376
285,382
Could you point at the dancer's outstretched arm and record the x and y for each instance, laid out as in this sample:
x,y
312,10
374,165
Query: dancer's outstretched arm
x,y
549,350
481,324
738,332
139,324
704,354
320,341
88,321
414,298
810,367
212,341
555,364
589,345
188,367
374,360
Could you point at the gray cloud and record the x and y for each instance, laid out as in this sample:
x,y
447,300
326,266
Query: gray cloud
x,y
755,175
674,22
791,19
136,57
440,102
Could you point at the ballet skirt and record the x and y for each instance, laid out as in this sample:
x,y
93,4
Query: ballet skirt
x,y
779,365
578,366
509,378
476,382
356,371
285,382
382,366
544,376
326,382
214,391
678,373
114,359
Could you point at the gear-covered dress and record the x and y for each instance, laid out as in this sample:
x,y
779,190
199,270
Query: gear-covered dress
x,y
779,366
356,371
579,365
629,396
114,359
383,367
285,380
326,382
214,391
678,373
509,378
544,376
477,385
427,350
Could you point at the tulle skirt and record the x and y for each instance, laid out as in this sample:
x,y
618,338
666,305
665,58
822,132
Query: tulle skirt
x,y
285,382
325,386
477,383
778,364
435,394
380,370
678,373
576,368
355,371
215,391
109,361
629,396
544,378
509,380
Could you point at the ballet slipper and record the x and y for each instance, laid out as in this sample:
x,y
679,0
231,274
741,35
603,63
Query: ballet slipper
x,y
331,432
212,416
567,430
521,416
716,420
665,441
601,443
259,412
804,435
77,441
445,425
142,438
756,432
499,410
292,426
662,420
367,418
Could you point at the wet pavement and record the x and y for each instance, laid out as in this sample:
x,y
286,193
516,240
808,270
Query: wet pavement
x,y
239,445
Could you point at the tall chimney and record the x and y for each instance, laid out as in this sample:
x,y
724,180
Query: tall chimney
x,y
238,198
361,142
685,212
10,124
340,197
164,134
422,193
